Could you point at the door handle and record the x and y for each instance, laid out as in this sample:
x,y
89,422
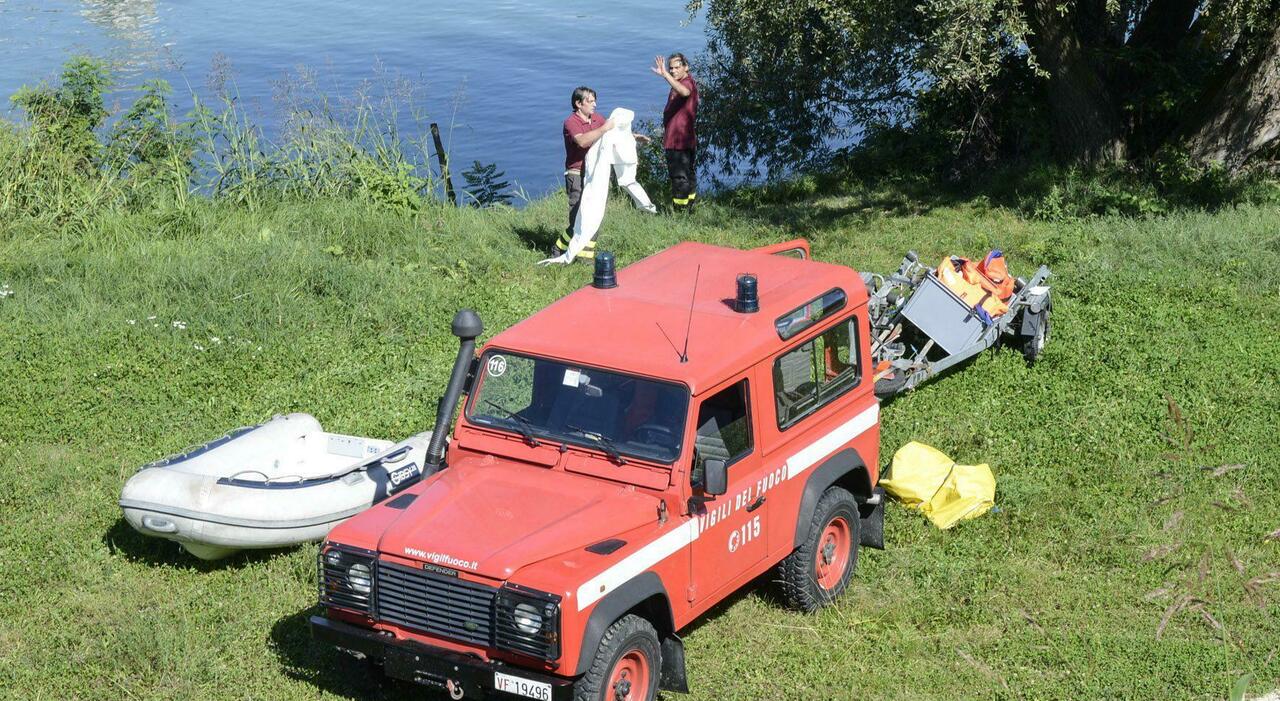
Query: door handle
x,y
759,502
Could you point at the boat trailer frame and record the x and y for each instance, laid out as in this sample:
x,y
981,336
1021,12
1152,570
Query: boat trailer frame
x,y
920,329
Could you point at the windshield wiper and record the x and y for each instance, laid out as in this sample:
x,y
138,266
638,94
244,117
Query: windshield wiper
x,y
605,444
523,425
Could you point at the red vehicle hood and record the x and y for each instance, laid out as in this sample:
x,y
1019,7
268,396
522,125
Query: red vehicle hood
x,y
491,517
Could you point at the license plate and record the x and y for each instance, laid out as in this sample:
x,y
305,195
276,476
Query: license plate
x,y
522,687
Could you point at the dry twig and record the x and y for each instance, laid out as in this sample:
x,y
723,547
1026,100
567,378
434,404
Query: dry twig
x,y
1222,469
1160,551
1172,610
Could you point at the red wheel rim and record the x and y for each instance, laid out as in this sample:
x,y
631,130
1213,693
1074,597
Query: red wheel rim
x,y
833,553
630,678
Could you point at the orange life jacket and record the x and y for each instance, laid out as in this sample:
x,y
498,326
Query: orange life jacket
x,y
986,285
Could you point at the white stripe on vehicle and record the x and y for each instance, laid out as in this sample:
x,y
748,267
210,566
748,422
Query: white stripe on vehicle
x,y
685,533
821,448
666,545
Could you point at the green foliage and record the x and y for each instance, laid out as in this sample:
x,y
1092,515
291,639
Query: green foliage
x,y
485,185
64,117
782,79
651,168
786,82
1169,183
64,167
1239,688
49,165
149,147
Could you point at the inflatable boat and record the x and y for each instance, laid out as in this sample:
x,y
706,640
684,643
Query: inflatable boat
x,y
280,483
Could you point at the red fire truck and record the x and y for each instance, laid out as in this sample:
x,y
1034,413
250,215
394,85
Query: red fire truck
x,y
625,459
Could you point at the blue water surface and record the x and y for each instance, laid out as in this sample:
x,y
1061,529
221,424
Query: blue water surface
x,y
496,74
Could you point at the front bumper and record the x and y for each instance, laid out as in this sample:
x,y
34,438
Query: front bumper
x,y
431,666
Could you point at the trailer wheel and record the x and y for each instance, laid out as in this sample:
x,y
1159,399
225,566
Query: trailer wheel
x,y
1033,345
820,569
886,387
626,664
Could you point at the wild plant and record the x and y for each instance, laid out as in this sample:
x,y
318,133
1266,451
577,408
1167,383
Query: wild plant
x,y
485,185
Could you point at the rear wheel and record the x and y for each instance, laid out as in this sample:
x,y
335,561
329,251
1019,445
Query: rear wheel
x,y
820,569
626,664
1033,345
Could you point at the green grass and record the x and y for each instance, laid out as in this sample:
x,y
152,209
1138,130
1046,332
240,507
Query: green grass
x,y
1106,521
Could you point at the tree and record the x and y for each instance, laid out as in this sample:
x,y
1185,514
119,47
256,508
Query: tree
x,y
1111,80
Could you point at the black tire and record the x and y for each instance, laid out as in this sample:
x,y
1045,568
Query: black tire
x,y
1033,345
887,387
631,637
801,585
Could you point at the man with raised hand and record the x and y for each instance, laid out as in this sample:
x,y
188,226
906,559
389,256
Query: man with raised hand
x,y
679,140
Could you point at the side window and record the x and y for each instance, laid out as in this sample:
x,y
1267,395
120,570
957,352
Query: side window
x,y
812,374
723,429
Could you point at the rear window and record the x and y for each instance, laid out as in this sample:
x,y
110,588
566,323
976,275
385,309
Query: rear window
x,y
812,374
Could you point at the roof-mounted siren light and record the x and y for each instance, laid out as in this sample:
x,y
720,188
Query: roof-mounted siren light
x,y
606,277
747,300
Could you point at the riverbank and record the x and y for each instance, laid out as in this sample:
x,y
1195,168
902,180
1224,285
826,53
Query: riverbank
x,y
1130,555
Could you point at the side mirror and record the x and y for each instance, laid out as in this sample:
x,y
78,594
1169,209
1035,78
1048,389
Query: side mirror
x,y
715,478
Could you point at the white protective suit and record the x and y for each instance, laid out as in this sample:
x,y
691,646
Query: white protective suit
x,y
616,148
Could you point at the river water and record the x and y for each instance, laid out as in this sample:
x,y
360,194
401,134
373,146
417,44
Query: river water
x,y
496,74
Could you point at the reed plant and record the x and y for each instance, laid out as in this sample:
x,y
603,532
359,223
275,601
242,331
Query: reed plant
x,y
65,162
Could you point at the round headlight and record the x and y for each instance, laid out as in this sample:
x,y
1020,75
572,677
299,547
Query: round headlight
x,y
528,620
359,578
333,559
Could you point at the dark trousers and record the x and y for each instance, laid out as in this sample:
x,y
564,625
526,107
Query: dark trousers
x,y
681,167
573,188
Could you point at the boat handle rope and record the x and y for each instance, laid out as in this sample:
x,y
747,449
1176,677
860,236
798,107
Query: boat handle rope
x,y
292,479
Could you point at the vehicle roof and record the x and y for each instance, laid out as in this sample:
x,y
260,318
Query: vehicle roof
x,y
623,328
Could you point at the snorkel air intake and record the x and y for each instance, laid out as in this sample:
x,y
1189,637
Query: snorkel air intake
x,y
466,326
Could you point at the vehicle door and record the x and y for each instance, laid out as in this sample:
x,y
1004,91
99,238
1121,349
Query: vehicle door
x,y
731,526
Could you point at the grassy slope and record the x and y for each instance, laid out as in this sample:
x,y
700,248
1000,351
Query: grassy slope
x,y
342,312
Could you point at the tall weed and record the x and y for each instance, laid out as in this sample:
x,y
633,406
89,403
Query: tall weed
x,y
64,163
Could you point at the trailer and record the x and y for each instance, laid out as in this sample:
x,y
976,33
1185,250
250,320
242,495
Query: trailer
x,y
920,328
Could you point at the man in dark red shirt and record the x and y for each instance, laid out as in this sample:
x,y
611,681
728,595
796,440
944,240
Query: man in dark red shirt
x,y
582,129
680,141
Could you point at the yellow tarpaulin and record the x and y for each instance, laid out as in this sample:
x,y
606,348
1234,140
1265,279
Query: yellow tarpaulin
x,y
924,478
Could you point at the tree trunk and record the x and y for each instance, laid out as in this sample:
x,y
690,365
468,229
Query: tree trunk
x,y
1242,115
1086,127
1164,25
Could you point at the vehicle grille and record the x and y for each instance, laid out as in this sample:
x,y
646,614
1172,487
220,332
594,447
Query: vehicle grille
x,y
434,603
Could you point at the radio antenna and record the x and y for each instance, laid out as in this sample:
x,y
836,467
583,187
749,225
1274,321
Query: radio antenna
x,y
673,343
684,357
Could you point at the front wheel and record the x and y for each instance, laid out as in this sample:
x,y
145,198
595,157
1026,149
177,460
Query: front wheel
x,y
820,569
626,665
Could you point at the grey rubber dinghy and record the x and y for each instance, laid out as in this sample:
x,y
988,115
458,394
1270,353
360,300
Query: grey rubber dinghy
x,y
280,483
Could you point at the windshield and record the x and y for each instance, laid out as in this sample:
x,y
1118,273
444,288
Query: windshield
x,y
539,398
